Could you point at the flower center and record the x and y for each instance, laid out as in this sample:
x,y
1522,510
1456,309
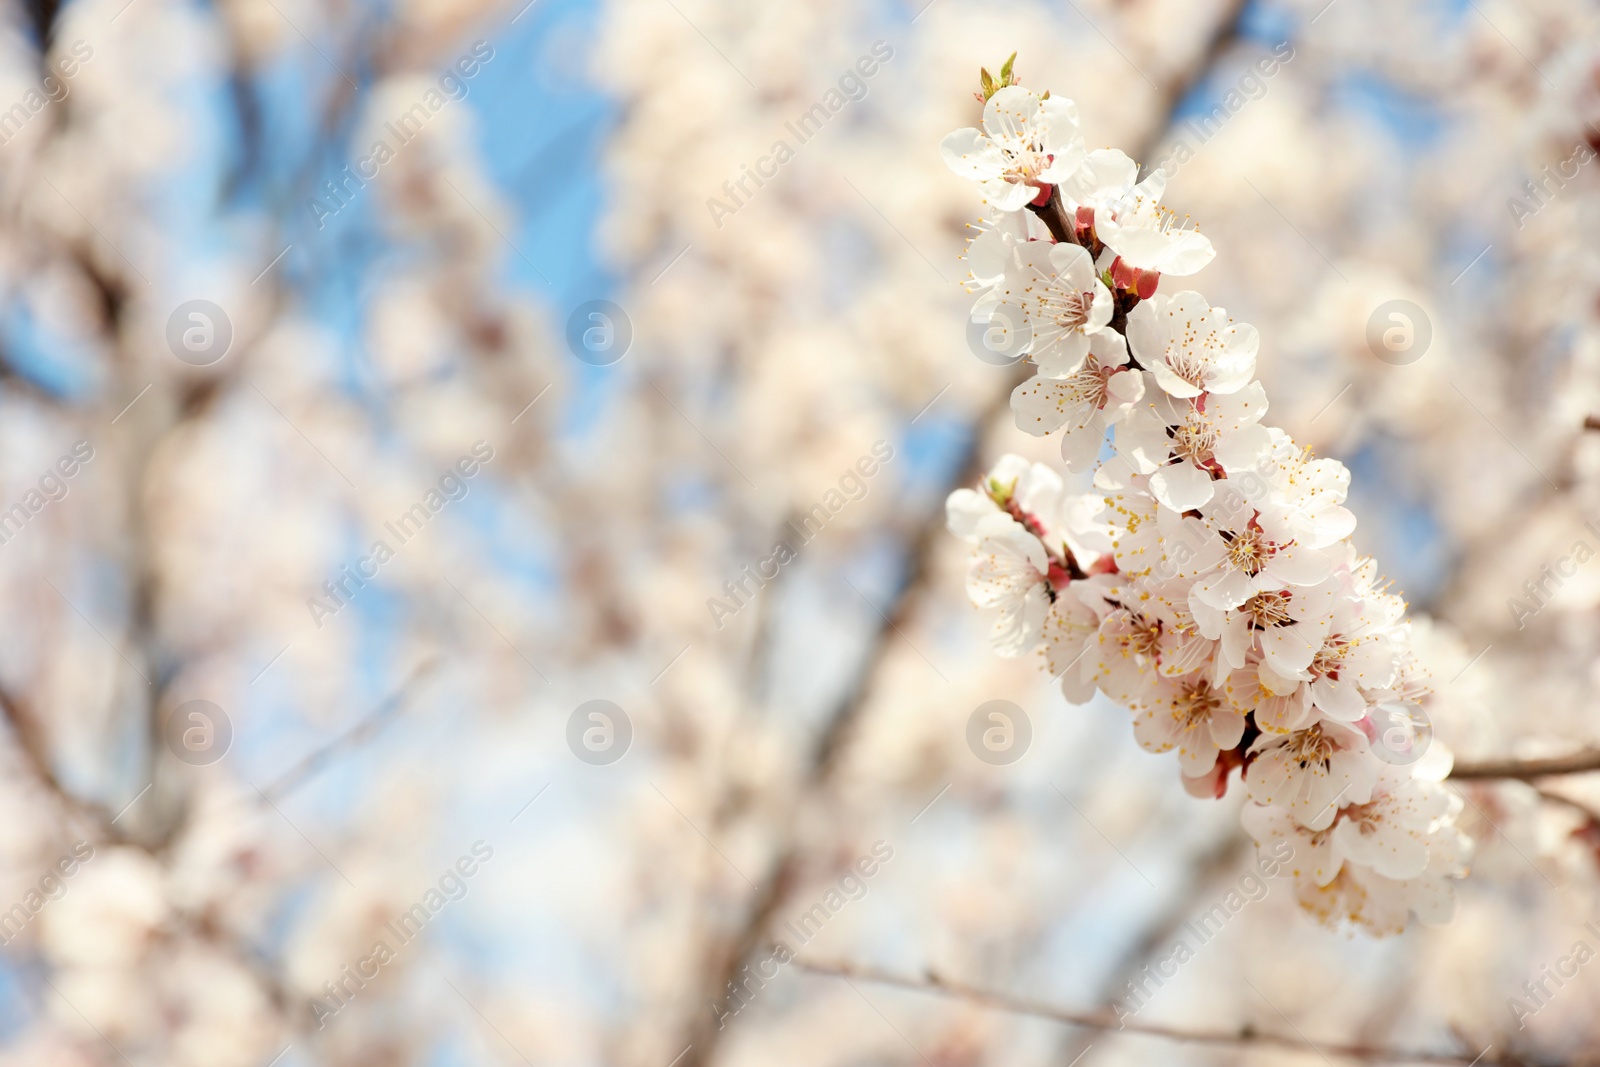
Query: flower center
x,y
1024,158
1087,385
1188,364
1268,609
1195,704
1310,746
1194,440
1144,636
1249,552
1330,657
1365,816
1069,308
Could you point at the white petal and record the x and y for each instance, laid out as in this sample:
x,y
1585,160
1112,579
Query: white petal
x,y
1293,565
1340,700
1241,449
1008,196
964,509
1105,173
1223,589
1110,350
1081,444
972,155
1185,254
1142,438
1287,648
1011,112
1015,628
1043,405
1181,486
1070,264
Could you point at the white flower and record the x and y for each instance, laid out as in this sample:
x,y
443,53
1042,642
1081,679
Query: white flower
x,y
1180,444
990,251
1312,772
1143,637
1345,899
1063,301
1274,714
1190,347
1012,477
1007,580
1106,179
1404,722
1299,498
1313,858
1035,496
1358,651
1190,715
1084,402
1025,143
1334,886
1285,626
1379,905
1349,871
1390,833
1128,217
1229,566
1070,631
988,255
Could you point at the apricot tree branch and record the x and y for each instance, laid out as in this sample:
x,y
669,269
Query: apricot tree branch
x,y
1105,1019
359,734
1584,762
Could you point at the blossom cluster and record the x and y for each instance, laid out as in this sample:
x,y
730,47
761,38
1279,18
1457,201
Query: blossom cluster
x,y
1208,584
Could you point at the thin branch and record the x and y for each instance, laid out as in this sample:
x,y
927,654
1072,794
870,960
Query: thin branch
x,y
1245,1036
33,745
1591,817
1053,213
1584,762
352,738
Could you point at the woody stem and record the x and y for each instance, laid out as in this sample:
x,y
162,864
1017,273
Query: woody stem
x,y
1053,213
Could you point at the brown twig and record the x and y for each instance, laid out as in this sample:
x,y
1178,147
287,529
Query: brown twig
x,y
1584,762
33,746
1590,815
364,730
1244,1036
1053,213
